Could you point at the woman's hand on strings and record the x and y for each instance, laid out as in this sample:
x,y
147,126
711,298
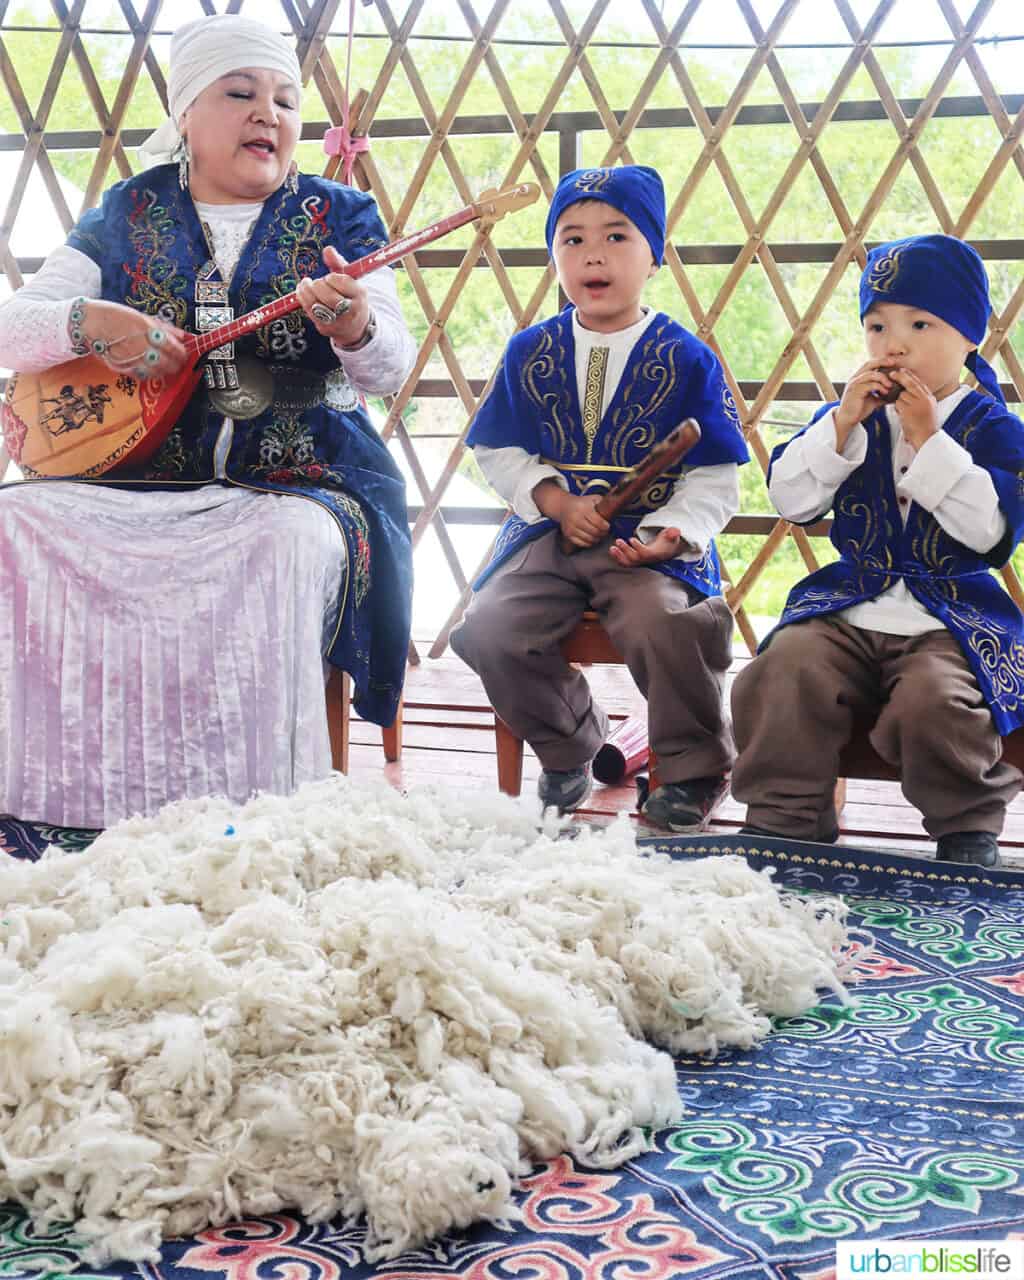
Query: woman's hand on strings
x,y
337,305
130,342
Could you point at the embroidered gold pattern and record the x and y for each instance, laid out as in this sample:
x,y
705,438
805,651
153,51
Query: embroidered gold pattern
x,y
884,272
926,548
593,395
1000,654
729,408
548,361
593,180
655,372
621,438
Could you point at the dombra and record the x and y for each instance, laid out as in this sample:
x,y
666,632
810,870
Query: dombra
x,y
80,419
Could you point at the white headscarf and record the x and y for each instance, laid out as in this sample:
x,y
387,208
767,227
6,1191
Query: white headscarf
x,y
202,52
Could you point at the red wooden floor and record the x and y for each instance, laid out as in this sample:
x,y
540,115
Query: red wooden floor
x,y
449,740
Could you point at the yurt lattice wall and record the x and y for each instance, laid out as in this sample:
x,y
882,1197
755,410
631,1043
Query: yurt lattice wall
x,y
790,135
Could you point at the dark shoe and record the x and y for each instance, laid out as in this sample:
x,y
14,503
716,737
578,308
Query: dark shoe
x,y
564,789
684,807
979,848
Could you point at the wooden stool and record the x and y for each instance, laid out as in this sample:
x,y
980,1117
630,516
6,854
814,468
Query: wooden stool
x,y
859,759
339,710
588,643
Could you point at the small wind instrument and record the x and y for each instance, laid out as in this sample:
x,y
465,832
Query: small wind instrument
x,y
679,441
81,418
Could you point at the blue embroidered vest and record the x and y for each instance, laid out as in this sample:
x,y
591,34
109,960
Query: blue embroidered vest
x,y
953,582
147,239
534,404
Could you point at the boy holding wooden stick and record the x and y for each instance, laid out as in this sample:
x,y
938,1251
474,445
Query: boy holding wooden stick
x,y
581,399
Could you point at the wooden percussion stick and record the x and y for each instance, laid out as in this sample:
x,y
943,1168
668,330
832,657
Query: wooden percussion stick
x,y
679,441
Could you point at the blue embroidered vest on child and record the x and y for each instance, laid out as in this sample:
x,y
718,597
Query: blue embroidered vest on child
x,y
534,404
952,582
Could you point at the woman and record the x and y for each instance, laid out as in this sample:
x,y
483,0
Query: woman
x,y
169,630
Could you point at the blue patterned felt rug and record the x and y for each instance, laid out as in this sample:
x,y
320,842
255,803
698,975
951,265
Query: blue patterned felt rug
x,y
897,1116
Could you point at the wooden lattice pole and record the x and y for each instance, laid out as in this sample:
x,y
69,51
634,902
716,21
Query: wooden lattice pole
x,y
112,131
99,105
872,205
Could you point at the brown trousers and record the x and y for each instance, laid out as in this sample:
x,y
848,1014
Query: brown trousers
x,y
677,645
795,705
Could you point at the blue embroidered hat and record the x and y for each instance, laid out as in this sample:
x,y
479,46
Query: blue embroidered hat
x,y
940,274
633,189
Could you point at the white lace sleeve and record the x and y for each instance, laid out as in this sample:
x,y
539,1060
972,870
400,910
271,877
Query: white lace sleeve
x,y
34,321
384,363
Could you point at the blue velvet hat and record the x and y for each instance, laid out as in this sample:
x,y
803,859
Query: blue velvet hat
x,y
940,274
633,189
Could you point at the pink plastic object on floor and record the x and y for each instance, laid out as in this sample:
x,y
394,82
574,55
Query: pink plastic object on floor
x,y
624,753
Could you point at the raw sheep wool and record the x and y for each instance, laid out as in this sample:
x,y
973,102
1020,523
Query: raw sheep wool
x,y
351,1001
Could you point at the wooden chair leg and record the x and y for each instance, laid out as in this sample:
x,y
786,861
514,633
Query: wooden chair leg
x,y
339,698
510,758
393,737
653,781
839,796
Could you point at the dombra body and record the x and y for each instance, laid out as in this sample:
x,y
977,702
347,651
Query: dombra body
x,y
81,419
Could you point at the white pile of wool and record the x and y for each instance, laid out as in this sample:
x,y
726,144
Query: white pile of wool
x,y
353,1001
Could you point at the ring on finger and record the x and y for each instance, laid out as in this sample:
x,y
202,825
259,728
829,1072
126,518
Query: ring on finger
x,y
321,314
342,306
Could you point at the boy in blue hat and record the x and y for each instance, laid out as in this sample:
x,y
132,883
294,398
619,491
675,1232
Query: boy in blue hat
x,y
926,482
580,399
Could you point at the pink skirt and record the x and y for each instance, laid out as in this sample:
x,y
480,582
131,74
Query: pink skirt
x,y
160,646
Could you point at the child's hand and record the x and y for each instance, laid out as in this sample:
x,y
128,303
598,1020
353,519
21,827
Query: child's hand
x,y
916,407
574,513
579,522
666,546
864,393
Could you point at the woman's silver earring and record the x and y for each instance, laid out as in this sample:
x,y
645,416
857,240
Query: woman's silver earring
x,y
182,155
292,181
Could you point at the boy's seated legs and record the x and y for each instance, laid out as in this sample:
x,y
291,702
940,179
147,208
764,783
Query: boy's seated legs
x,y
820,675
510,636
933,726
937,730
678,647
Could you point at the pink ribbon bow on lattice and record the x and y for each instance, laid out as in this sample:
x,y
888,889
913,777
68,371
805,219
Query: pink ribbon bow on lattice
x,y
338,141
